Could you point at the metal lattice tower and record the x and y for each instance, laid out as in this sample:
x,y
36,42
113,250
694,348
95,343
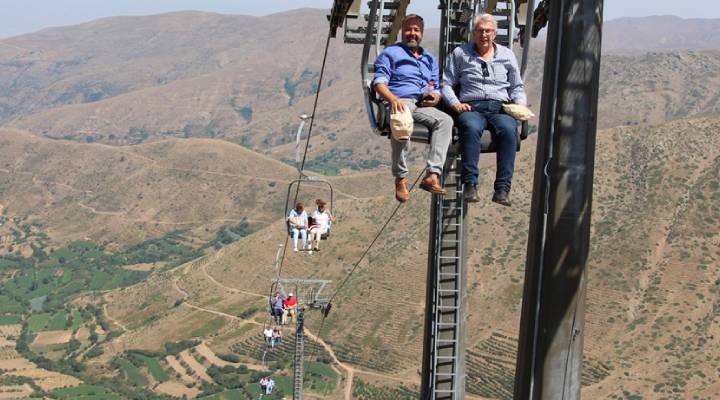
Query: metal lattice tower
x,y
444,355
298,358
443,368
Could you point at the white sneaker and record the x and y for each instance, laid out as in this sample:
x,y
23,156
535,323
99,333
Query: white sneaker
x,y
310,251
295,249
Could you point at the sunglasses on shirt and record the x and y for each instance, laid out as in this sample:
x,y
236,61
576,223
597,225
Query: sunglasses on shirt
x,y
485,71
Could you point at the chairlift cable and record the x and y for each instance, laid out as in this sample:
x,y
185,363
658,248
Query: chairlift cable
x,y
357,263
307,144
377,236
279,264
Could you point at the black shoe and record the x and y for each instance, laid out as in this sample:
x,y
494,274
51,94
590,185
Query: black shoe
x,y
470,193
316,249
502,196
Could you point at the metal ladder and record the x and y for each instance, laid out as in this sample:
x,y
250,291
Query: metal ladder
x,y
386,17
446,310
505,16
456,23
444,355
298,357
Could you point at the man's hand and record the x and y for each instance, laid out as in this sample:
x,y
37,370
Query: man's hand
x,y
461,107
396,105
430,100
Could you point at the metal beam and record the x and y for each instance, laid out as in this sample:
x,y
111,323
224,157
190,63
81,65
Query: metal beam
x,y
552,322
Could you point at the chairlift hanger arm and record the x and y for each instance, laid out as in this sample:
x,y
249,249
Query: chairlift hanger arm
x,y
340,10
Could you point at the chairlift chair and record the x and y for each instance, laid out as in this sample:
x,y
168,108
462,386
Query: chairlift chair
x,y
377,111
306,179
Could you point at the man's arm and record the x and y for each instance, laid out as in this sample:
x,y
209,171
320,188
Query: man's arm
x,y
516,91
449,81
383,72
396,105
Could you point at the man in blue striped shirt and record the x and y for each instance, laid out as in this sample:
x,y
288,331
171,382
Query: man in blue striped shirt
x,y
406,77
488,76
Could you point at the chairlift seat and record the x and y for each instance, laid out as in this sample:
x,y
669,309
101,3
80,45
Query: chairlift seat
x,y
422,134
324,236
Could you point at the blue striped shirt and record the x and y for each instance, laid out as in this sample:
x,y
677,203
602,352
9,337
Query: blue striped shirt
x,y
407,77
496,79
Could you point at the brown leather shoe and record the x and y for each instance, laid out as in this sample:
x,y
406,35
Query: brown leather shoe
x,y
431,183
402,194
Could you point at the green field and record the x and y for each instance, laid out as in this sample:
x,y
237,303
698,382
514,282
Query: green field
x,y
58,321
235,394
10,319
86,392
10,306
284,383
131,372
153,365
8,263
80,266
65,272
38,322
320,377
211,326
77,320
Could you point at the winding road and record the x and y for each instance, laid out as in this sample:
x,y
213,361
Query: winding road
x,y
349,370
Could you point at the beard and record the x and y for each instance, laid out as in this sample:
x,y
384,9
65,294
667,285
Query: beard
x,y
413,44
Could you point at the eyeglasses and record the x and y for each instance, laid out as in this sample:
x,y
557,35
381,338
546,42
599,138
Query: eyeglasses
x,y
488,31
485,71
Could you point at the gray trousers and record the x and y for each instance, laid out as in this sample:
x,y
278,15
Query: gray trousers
x,y
440,125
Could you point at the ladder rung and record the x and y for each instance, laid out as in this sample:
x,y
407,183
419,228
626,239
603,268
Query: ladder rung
x,y
386,18
450,327
388,5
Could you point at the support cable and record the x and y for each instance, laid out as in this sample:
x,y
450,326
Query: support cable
x,y
362,257
307,145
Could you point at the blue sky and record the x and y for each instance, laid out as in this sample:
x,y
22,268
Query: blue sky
x,y
23,16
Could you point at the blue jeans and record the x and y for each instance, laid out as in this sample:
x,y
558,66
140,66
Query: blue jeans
x,y
503,128
302,233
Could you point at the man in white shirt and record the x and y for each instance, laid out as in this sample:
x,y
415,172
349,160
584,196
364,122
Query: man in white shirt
x,y
321,223
268,333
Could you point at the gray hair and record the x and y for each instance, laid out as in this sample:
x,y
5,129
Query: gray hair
x,y
488,18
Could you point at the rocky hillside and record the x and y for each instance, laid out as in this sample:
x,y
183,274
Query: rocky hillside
x,y
653,293
127,141
136,79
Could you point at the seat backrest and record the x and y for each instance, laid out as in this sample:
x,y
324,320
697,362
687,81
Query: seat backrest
x,y
422,134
